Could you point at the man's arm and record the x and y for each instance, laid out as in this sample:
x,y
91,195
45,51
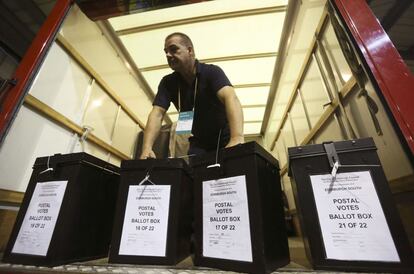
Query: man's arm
x,y
234,114
151,131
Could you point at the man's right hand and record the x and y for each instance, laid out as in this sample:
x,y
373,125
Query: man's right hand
x,y
149,153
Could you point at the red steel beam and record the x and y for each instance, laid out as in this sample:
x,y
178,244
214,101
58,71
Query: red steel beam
x,y
13,96
393,77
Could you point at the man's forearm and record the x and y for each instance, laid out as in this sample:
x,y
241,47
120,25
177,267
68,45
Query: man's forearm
x,y
234,115
152,129
150,134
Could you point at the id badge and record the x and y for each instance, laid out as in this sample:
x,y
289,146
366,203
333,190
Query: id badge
x,y
185,122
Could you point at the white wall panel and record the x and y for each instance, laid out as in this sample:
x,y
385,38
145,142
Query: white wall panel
x,y
299,121
125,134
288,138
95,151
314,94
154,77
253,114
238,72
30,136
310,13
281,150
101,114
288,191
275,153
174,117
252,128
252,96
62,84
257,139
339,65
85,36
279,107
241,71
329,132
115,160
390,152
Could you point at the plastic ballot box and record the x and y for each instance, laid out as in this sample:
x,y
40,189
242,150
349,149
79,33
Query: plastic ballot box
x,y
67,211
154,213
346,210
239,216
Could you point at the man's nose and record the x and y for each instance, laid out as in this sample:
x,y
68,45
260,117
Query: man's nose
x,y
168,54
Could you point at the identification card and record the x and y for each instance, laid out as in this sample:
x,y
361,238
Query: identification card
x,y
185,122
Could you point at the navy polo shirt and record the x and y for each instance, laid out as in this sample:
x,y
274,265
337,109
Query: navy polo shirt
x,y
209,113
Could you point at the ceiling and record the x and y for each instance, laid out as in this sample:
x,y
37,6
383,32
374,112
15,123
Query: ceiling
x,y
240,36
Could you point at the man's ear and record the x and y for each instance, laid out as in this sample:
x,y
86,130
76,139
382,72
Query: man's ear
x,y
191,51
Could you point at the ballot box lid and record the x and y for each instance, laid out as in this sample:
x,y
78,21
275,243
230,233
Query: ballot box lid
x,y
250,148
340,147
146,164
73,158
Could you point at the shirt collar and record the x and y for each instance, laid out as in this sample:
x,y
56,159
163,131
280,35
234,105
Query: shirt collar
x,y
198,67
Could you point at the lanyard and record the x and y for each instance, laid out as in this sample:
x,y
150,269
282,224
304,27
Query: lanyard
x,y
195,93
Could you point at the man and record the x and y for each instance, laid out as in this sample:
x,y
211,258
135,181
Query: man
x,y
203,92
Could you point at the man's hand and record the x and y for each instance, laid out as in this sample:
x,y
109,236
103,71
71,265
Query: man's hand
x,y
234,141
147,153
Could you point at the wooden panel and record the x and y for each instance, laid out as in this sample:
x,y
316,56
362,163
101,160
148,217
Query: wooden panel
x,y
401,185
405,205
8,196
7,219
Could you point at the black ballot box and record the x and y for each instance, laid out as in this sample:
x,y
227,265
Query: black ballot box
x,y
67,211
154,213
346,210
239,216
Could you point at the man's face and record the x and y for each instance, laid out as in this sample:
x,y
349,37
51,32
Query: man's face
x,y
178,55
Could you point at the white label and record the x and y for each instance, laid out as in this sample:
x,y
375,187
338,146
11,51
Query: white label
x,y
144,232
39,222
226,226
352,221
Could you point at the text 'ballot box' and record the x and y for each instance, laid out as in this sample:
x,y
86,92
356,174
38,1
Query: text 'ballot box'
x,y
154,213
239,217
347,214
67,211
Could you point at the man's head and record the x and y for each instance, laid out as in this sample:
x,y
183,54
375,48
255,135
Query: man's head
x,y
179,51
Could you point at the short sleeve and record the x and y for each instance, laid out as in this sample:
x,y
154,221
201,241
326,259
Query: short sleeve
x,y
217,78
163,97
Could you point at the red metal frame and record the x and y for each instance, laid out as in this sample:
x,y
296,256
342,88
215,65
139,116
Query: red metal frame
x,y
13,96
390,71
